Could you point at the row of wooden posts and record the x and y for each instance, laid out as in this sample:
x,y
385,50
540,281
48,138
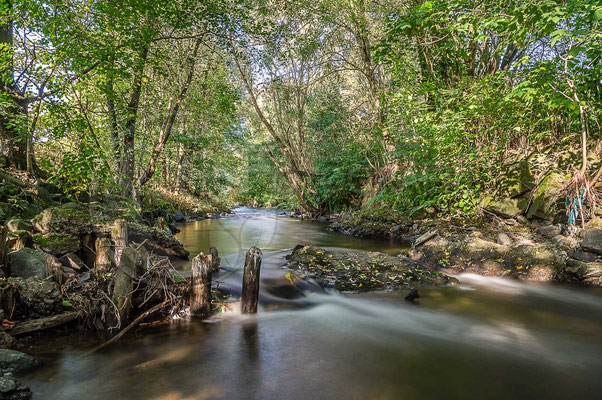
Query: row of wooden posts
x,y
203,267
109,251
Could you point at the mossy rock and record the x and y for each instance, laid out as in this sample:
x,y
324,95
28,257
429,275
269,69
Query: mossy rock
x,y
373,223
508,207
484,257
549,199
26,263
516,180
353,271
592,236
56,243
70,218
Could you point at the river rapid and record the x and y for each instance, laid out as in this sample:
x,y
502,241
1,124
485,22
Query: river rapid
x,y
486,338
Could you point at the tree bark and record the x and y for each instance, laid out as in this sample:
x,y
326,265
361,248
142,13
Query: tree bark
x,y
119,234
127,163
250,282
104,255
13,144
200,296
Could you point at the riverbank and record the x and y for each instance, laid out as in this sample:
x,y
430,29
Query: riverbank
x,y
517,247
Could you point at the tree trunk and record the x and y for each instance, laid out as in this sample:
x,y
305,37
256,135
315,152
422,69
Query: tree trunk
x,y
127,163
250,281
13,144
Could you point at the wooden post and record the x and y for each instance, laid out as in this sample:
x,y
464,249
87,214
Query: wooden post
x,y
250,281
200,296
124,284
119,234
215,259
104,254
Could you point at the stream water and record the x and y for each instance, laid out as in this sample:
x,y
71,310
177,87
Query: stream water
x,y
487,338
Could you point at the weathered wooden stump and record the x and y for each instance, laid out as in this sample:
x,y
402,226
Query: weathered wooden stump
x,y
250,281
119,234
124,285
104,256
215,260
200,296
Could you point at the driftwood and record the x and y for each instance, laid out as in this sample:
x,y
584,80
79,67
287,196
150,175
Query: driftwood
x,y
104,255
129,327
200,295
250,281
35,325
119,234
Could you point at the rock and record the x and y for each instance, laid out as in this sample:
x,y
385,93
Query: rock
x,y
524,242
322,219
6,340
593,273
72,261
361,271
372,223
179,217
412,295
56,243
11,389
592,236
517,179
157,241
484,257
564,241
16,361
540,263
585,256
16,224
26,263
37,297
548,200
504,239
69,218
549,231
508,207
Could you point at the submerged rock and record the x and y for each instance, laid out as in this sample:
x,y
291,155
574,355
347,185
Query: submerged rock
x,y
16,361
352,271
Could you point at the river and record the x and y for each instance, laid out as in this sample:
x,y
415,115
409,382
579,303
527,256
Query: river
x,y
486,338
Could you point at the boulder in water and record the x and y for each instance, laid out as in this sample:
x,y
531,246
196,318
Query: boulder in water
x,y
353,271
